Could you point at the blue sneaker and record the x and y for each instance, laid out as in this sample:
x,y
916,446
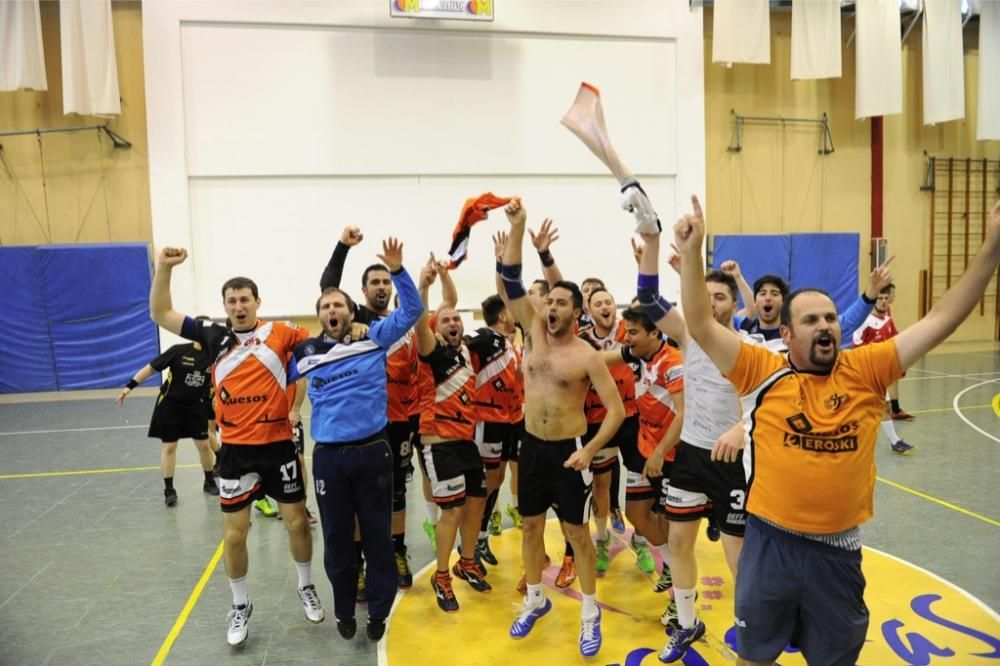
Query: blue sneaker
x,y
617,521
680,641
902,448
527,617
590,635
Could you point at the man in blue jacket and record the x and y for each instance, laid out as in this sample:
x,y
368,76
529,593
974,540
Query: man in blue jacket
x,y
352,460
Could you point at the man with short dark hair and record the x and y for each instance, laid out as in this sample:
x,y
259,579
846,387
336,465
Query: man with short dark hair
x,y
257,455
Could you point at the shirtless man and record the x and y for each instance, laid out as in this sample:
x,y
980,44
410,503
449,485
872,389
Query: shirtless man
x,y
554,465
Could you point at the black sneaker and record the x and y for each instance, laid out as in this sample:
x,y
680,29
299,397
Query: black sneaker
x,y
483,552
375,629
347,628
712,531
403,574
472,574
441,584
210,487
169,496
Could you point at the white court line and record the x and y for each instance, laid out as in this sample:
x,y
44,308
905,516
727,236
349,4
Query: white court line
x,y
26,584
49,432
958,396
974,375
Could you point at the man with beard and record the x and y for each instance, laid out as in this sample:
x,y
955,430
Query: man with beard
x,y
554,463
352,461
451,460
257,455
880,327
376,286
812,422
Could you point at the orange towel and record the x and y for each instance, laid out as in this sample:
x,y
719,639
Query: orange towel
x,y
473,211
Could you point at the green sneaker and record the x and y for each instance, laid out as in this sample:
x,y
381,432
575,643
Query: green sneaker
x,y
495,526
515,515
643,558
603,558
267,507
431,533
666,580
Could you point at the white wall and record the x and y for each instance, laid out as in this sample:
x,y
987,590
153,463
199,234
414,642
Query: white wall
x,y
273,124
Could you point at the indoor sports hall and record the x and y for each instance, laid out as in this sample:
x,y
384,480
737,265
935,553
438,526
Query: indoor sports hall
x,y
826,140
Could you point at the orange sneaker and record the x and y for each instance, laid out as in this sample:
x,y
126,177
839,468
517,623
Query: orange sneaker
x,y
567,572
522,585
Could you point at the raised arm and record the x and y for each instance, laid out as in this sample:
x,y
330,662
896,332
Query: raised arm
x,y
658,309
449,292
854,317
513,287
607,391
387,331
721,345
334,270
161,306
425,336
499,243
957,302
732,267
542,241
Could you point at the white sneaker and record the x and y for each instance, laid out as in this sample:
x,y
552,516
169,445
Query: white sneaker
x,y
635,201
238,619
311,605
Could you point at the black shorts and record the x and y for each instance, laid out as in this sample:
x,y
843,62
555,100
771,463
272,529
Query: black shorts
x,y
513,445
173,420
249,471
700,487
543,481
491,438
793,590
209,404
455,471
605,459
400,441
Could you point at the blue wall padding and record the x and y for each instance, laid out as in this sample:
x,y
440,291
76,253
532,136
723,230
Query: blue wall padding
x,y
828,261
763,254
26,362
94,305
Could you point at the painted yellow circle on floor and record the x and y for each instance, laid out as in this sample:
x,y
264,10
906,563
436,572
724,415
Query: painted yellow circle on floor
x,y
916,617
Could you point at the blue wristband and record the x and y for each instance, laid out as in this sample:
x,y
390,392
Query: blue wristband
x,y
511,274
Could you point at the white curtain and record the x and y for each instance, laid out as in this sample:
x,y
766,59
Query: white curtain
x,y
943,66
22,60
741,31
816,48
90,73
879,59
988,124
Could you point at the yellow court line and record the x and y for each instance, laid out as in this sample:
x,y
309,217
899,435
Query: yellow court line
x,y
77,472
947,505
947,409
175,631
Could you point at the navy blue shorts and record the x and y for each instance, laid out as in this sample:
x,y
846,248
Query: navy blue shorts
x,y
792,590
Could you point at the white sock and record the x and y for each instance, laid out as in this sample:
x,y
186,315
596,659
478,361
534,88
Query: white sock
x,y
685,607
638,539
432,512
305,574
240,591
890,431
589,611
513,501
482,535
602,527
664,552
535,597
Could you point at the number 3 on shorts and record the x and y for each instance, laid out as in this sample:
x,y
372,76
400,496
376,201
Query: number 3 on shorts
x,y
740,496
290,471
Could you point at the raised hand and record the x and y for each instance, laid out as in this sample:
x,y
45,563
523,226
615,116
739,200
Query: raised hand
x,y
545,237
880,278
637,250
675,258
731,267
392,254
499,244
171,256
428,273
689,232
351,236
516,214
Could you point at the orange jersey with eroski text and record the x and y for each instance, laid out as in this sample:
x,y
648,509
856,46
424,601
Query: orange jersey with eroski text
x,y
811,453
446,408
252,396
401,374
495,363
660,378
624,375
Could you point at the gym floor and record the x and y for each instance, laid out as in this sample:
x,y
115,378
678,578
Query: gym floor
x,y
98,571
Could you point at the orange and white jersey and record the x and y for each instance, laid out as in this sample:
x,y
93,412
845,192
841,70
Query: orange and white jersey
x,y
660,378
251,385
624,375
810,455
447,410
401,374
